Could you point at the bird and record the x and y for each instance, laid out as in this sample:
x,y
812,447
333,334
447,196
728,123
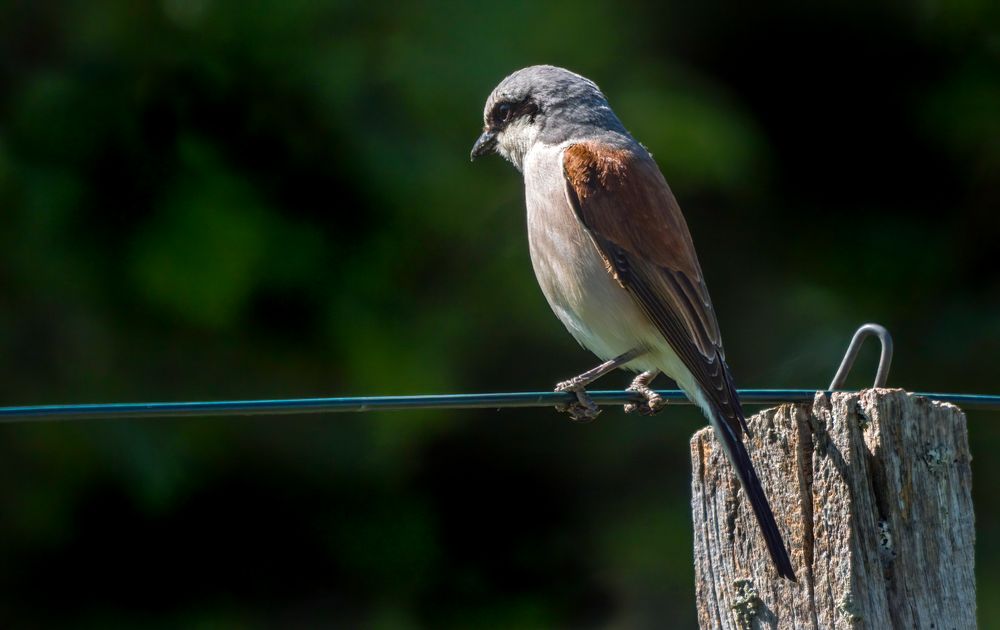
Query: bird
x,y
614,257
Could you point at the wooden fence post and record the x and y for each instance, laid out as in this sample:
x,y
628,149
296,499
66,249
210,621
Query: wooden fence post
x,y
873,493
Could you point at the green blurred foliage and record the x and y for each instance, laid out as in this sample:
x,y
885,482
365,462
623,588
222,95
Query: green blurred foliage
x,y
273,199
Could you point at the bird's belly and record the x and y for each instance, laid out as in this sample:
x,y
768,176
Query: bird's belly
x,y
586,298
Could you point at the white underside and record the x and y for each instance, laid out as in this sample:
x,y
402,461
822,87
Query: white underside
x,y
585,297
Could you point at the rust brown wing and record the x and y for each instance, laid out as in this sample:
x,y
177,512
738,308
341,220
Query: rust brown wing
x,y
628,208
633,218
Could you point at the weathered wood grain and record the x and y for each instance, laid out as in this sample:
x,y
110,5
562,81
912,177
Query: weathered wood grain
x,y
873,493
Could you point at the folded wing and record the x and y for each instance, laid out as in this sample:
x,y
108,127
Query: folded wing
x,y
626,205
624,202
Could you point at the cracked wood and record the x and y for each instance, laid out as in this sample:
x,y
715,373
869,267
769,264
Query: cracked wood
x,y
873,493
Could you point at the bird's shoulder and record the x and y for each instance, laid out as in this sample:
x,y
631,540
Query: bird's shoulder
x,y
594,167
620,194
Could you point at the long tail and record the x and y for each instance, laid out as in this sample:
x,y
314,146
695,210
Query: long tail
x,y
733,446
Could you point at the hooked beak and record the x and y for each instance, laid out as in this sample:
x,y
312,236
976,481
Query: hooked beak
x,y
486,144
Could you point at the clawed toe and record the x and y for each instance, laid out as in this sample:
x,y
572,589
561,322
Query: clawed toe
x,y
580,412
583,409
653,402
652,405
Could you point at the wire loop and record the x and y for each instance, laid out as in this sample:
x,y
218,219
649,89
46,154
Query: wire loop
x,y
884,360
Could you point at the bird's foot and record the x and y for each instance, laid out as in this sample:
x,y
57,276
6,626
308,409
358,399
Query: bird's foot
x,y
653,403
583,409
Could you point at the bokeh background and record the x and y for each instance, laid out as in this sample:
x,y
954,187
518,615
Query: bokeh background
x,y
207,200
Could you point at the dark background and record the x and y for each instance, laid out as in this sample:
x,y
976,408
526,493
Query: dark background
x,y
207,200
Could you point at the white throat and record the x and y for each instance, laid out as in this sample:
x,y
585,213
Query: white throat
x,y
514,142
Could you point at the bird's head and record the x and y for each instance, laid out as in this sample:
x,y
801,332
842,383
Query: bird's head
x,y
542,103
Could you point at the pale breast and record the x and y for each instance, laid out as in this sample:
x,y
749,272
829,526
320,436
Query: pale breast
x,y
595,309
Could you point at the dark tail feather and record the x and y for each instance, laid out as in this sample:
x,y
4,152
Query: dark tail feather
x,y
740,460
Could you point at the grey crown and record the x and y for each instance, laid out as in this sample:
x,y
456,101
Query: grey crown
x,y
569,106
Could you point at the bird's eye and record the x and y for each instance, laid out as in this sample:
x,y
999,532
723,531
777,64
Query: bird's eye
x,y
503,112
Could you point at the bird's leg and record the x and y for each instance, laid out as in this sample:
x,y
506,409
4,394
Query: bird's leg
x,y
584,409
654,402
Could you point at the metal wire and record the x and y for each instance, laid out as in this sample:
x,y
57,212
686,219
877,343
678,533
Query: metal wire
x,y
466,401
394,403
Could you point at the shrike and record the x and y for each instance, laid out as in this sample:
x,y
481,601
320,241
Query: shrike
x,y
614,257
